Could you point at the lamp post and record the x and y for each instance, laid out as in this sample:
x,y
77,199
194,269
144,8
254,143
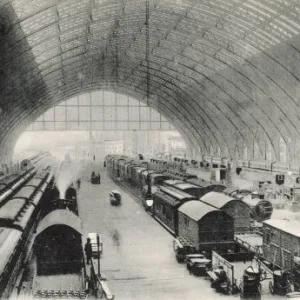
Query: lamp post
x,y
149,199
98,246
149,202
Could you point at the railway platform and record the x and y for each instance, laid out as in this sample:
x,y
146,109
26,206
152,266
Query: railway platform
x,y
137,260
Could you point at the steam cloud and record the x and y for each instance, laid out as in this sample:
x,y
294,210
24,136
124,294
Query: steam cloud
x,y
67,175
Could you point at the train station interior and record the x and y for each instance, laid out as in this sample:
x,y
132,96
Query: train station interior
x,y
149,149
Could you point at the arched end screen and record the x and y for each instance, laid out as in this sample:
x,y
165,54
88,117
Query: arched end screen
x,y
101,110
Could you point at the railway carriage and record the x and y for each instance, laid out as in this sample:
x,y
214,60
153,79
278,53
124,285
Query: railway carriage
x,y
260,209
10,259
136,174
175,174
58,245
166,202
210,229
125,168
116,165
18,219
206,186
188,188
172,182
157,178
261,165
237,209
144,176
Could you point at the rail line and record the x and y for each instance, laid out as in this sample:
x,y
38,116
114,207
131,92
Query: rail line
x,y
139,201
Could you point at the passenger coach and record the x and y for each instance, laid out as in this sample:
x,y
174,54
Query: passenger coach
x,y
165,206
188,188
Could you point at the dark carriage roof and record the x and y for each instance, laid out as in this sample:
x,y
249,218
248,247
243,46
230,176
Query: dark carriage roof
x,y
204,183
173,181
175,193
196,210
231,189
60,217
141,169
146,172
179,175
219,200
154,175
186,186
167,198
255,201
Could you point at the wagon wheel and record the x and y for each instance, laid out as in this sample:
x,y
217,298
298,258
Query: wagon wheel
x,y
271,288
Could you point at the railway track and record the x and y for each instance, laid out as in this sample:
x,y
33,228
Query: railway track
x,y
131,191
139,200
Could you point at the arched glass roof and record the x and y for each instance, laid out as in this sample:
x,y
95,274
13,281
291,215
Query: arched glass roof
x,y
98,111
224,72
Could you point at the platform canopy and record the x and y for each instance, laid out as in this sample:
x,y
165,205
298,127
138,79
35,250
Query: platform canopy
x,y
226,73
60,217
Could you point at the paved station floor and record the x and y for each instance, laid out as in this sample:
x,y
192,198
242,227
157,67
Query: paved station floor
x,y
138,258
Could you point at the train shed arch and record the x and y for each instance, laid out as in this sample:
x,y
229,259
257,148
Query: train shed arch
x,y
225,72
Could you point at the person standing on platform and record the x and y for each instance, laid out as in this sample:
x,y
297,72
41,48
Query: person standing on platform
x,y
88,251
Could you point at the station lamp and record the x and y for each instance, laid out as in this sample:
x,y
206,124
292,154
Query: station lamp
x,y
149,201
